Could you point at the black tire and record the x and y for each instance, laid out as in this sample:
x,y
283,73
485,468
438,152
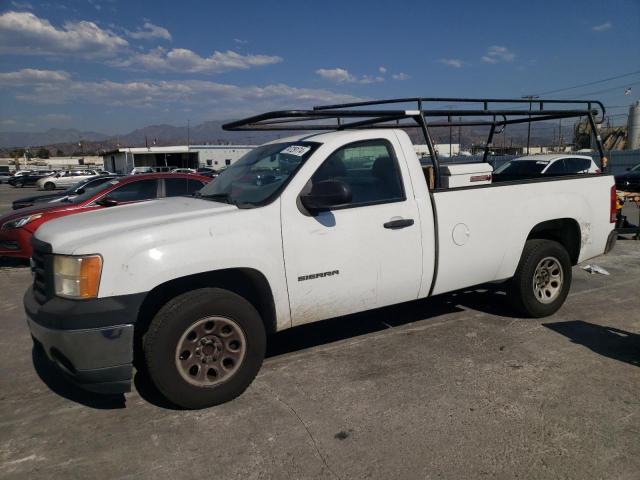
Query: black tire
x,y
525,294
172,323
49,186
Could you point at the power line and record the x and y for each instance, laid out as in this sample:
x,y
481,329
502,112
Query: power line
x,y
590,83
610,89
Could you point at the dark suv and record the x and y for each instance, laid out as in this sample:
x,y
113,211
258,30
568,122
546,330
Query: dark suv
x,y
630,181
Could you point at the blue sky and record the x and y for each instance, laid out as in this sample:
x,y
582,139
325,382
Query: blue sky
x,y
115,65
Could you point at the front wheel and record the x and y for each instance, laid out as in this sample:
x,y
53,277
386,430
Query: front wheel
x,y
204,347
543,278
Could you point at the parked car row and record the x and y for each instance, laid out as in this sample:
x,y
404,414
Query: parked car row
x,y
52,180
18,226
76,189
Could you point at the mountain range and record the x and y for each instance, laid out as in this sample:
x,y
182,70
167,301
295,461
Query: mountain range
x,y
211,132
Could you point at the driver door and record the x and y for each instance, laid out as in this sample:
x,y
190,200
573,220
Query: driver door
x,y
352,258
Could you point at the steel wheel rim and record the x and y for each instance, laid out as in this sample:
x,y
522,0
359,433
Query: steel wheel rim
x,y
548,279
210,351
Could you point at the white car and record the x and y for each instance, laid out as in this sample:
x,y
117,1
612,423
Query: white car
x,y
183,170
64,179
548,164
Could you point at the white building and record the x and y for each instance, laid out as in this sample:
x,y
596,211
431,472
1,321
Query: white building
x,y
123,160
52,163
443,149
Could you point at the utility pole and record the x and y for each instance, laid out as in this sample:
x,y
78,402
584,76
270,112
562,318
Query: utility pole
x,y
450,136
560,135
530,98
188,134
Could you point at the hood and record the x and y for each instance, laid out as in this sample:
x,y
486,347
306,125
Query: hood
x,y
38,208
66,233
629,175
41,198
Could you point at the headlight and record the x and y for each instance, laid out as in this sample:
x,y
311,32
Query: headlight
x,y
77,276
20,222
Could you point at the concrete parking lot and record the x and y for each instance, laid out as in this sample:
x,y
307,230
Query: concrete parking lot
x,y
453,387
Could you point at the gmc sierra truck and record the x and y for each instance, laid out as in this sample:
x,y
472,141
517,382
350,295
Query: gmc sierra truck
x,y
299,230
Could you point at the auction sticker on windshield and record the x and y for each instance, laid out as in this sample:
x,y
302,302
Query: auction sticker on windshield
x,y
297,150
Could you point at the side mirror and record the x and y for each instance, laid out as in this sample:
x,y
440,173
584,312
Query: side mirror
x,y
326,195
107,202
80,191
628,169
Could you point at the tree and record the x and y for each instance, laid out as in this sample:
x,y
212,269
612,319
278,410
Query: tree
x,y
43,153
59,153
17,153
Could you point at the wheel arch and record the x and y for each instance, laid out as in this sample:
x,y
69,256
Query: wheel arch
x,y
565,231
249,283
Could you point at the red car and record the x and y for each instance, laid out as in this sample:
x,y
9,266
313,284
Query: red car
x,y
17,227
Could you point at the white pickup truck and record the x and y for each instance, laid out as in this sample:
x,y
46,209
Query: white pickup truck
x,y
299,230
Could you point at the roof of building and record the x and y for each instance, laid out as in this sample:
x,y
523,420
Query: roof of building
x,y
176,148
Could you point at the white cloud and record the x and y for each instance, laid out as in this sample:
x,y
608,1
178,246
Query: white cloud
x,y
602,27
8,121
341,75
496,54
25,33
240,41
186,61
338,75
382,70
22,5
400,76
31,76
452,62
149,31
160,94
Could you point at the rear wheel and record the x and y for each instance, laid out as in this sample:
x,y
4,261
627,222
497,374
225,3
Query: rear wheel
x,y
543,278
49,186
204,347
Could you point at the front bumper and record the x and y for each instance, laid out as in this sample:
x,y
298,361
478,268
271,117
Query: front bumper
x,y
98,358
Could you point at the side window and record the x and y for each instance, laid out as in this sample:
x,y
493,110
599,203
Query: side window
x,y
557,168
580,164
175,187
369,168
134,191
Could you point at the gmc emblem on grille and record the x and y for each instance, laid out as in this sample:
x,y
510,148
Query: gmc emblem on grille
x,y
318,275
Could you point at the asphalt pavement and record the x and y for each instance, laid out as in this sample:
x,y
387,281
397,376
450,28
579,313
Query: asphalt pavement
x,y
453,387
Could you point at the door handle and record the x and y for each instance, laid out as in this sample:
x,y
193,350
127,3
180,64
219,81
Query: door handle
x,y
398,224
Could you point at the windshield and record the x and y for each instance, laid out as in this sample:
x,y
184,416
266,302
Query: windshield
x,y
259,175
522,167
90,190
71,190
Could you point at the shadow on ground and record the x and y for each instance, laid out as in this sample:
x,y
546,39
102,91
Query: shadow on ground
x,y
59,384
489,299
11,262
606,341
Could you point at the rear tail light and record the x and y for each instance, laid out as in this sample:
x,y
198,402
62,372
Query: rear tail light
x,y
598,170
614,205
